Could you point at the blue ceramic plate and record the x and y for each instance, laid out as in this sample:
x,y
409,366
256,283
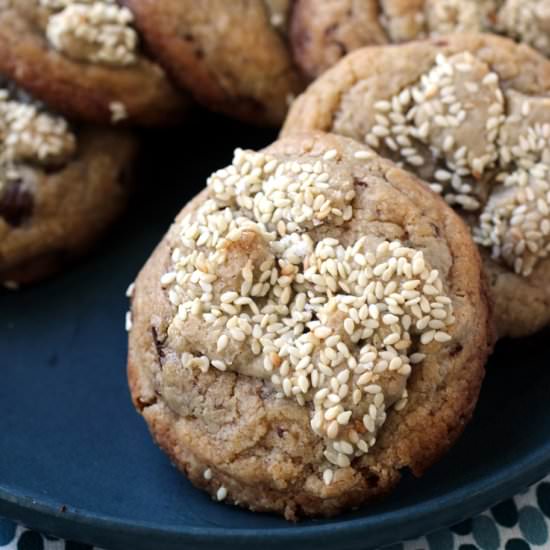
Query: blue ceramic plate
x,y
76,460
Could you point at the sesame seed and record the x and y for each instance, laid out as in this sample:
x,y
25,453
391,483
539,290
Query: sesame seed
x,y
344,418
330,154
11,285
380,131
384,106
118,111
490,78
328,475
332,430
343,461
128,321
427,337
207,474
322,332
221,493
220,365
238,334
389,319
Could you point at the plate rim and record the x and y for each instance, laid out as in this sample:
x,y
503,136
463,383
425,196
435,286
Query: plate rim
x,y
452,507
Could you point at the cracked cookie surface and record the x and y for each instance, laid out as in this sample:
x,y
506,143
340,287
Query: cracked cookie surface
x,y
468,115
232,56
83,59
304,330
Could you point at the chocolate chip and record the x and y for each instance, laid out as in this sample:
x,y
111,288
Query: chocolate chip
x,y
436,229
53,169
16,203
456,350
373,479
158,345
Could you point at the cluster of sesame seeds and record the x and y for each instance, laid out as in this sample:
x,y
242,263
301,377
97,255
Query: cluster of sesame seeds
x,y
96,32
423,126
29,134
284,196
501,174
526,21
336,328
456,92
515,222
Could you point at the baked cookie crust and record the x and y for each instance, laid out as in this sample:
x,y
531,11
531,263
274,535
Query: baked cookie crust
x,y
229,428
231,56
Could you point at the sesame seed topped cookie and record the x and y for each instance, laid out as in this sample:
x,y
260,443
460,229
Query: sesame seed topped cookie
x,y
470,115
59,186
83,58
322,32
231,56
313,322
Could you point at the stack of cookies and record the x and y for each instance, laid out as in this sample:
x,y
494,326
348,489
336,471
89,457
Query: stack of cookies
x,y
317,320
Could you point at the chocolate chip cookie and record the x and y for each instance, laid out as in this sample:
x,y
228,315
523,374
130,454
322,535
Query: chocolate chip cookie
x,y
314,322
324,31
83,58
60,186
232,56
470,115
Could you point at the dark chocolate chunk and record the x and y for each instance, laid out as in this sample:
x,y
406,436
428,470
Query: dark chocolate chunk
x,y
16,203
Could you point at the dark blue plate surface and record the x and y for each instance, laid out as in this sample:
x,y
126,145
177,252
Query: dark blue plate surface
x,y
77,461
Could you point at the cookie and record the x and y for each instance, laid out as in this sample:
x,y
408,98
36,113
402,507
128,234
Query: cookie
x,y
232,56
470,115
60,187
83,58
323,32
314,322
